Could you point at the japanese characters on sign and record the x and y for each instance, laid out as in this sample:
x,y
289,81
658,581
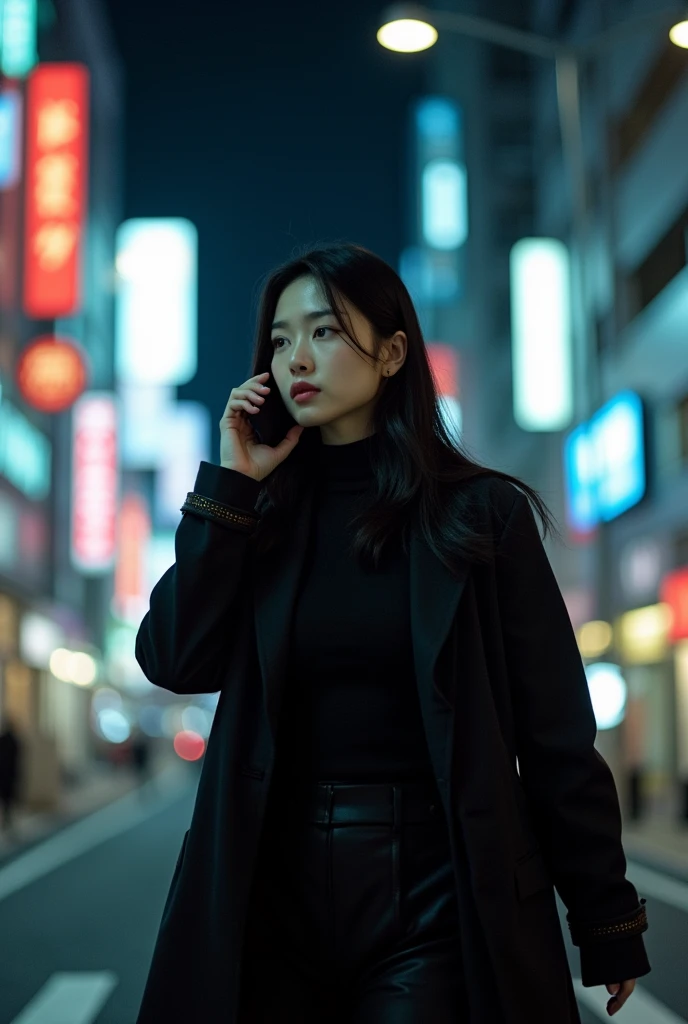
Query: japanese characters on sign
x,y
56,176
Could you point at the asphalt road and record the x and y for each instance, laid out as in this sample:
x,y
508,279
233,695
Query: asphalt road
x,y
79,913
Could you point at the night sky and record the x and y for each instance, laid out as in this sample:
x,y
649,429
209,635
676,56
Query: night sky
x,y
268,125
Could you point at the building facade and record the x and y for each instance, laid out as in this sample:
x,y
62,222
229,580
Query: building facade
x,y
45,602
634,250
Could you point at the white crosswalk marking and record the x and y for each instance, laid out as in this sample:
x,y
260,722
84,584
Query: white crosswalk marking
x,y
69,998
641,1007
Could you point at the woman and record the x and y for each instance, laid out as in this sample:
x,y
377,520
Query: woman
x,y
402,764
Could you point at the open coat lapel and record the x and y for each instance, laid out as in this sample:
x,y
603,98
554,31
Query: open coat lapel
x,y
434,598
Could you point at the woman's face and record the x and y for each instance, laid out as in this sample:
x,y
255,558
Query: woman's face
x,y
314,349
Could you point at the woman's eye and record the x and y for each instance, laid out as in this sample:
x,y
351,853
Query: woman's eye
x,y
275,340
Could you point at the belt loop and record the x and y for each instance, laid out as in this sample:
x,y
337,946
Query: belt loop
x,y
328,807
396,798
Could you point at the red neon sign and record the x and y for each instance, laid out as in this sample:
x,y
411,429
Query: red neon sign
x,y
130,599
674,591
56,178
444,363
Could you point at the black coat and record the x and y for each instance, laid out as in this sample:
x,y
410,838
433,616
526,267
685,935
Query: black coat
x,y
529,801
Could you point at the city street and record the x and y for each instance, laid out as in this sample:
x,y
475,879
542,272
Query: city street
x,y
80,911
343,385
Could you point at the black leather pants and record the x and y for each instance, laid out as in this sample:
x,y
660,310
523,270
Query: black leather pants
x,y
353,913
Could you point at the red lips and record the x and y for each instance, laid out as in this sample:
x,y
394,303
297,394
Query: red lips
x,y
301,386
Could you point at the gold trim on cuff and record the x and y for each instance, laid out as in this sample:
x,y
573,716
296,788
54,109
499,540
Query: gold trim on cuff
x,y
584,933
218,511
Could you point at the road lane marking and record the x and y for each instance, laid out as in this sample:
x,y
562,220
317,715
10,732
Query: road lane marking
x,y
87,833
650,882
69,998
640,1008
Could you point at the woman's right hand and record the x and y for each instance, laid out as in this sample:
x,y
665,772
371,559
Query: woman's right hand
x,y
239,447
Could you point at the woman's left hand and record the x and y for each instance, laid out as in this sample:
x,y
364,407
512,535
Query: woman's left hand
x,y
620,993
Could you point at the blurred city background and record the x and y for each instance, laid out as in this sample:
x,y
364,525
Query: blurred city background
x,y
524,167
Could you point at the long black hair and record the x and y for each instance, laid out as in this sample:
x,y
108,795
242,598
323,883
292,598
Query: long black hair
x,y
419,465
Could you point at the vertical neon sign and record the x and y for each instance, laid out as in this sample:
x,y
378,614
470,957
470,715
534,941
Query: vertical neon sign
x,y
56,177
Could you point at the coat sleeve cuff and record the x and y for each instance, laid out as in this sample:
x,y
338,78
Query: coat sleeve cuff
x,y
227,486
604,963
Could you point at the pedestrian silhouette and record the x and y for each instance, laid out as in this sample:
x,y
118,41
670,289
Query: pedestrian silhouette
x,y
10,762
141,758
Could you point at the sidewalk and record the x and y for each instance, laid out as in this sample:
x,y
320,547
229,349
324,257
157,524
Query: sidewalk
x,y
102,785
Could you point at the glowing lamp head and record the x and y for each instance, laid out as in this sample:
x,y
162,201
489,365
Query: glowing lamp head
x,y
406,29
679,34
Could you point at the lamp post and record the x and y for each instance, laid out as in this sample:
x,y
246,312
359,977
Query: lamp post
x,y
408,28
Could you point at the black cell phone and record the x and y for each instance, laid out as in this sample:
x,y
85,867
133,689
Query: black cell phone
x,y
273,421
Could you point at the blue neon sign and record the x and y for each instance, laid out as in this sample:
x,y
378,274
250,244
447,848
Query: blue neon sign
x,y
605,463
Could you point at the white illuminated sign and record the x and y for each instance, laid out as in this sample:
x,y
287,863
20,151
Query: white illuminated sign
x,y
39,637
607,692
541,334
642,563
95,483
156,306
445,204
18,29
145,409
186,444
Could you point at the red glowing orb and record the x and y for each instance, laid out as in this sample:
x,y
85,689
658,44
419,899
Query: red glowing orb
x,y
189,745
51,373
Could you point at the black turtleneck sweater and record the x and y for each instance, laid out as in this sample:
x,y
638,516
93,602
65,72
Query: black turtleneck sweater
x,y
351,711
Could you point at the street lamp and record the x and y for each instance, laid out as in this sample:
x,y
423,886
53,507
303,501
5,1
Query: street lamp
x,y
409,28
